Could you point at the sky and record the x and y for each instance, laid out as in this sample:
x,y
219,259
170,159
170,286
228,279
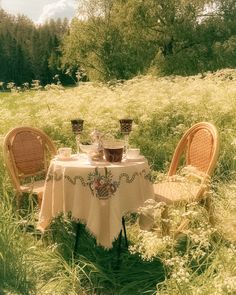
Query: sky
x,y
40,10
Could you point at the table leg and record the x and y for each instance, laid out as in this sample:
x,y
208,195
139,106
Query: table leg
x,y
124,229
76,238
119,242
119,250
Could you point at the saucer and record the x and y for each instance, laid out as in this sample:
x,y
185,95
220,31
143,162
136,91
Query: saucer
x,y
71,158
136,159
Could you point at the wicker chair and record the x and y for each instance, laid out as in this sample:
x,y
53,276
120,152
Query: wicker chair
x,y
27,152
198,149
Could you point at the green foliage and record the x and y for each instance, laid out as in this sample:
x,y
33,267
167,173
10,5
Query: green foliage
x,y
13,273
120,39
104,49
28,52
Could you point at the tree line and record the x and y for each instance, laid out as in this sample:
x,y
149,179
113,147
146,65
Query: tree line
x,y
28,52
119,39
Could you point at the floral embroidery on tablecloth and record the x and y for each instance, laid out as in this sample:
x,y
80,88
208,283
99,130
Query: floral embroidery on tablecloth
x,y
103,186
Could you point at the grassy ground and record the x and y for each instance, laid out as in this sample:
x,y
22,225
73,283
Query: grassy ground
x,y
200,262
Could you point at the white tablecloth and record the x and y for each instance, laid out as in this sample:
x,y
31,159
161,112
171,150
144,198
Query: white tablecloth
x,y
97,194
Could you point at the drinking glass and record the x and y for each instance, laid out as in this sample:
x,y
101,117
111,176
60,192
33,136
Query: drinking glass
x,y
77,128
113,150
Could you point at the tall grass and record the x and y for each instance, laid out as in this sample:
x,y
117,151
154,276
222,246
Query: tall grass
x,y
203,262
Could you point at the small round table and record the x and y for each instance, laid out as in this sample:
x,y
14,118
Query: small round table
x,y
97,194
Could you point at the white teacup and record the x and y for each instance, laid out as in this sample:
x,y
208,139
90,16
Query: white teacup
x,y
133,153
64,152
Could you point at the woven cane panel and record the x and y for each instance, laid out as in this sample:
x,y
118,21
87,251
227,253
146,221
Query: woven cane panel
x,y
36,186
171,192
200,150
28,153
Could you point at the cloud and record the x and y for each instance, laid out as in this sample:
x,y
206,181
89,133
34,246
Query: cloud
x,y
59,9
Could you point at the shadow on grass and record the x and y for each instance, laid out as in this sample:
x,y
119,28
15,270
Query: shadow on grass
x,y
106,274
98,269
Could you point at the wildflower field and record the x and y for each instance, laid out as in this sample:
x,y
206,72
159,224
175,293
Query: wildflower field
x,y
201,261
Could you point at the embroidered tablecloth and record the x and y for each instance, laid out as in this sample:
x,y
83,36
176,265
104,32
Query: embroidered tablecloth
x,y
95,194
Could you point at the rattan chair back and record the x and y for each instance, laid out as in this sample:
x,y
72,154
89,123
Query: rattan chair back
x,y
27,152
200,148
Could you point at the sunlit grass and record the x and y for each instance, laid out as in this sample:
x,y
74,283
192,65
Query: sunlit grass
x,y
162,109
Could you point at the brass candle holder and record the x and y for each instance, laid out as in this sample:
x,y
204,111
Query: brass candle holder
x,y
125,129
77,126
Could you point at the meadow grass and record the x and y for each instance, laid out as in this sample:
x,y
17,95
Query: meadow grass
x,y
200,262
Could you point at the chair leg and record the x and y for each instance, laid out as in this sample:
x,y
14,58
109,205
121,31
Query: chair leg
x,y
124,229
184,224
76,238
164,222
210,210
18,200
40,199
